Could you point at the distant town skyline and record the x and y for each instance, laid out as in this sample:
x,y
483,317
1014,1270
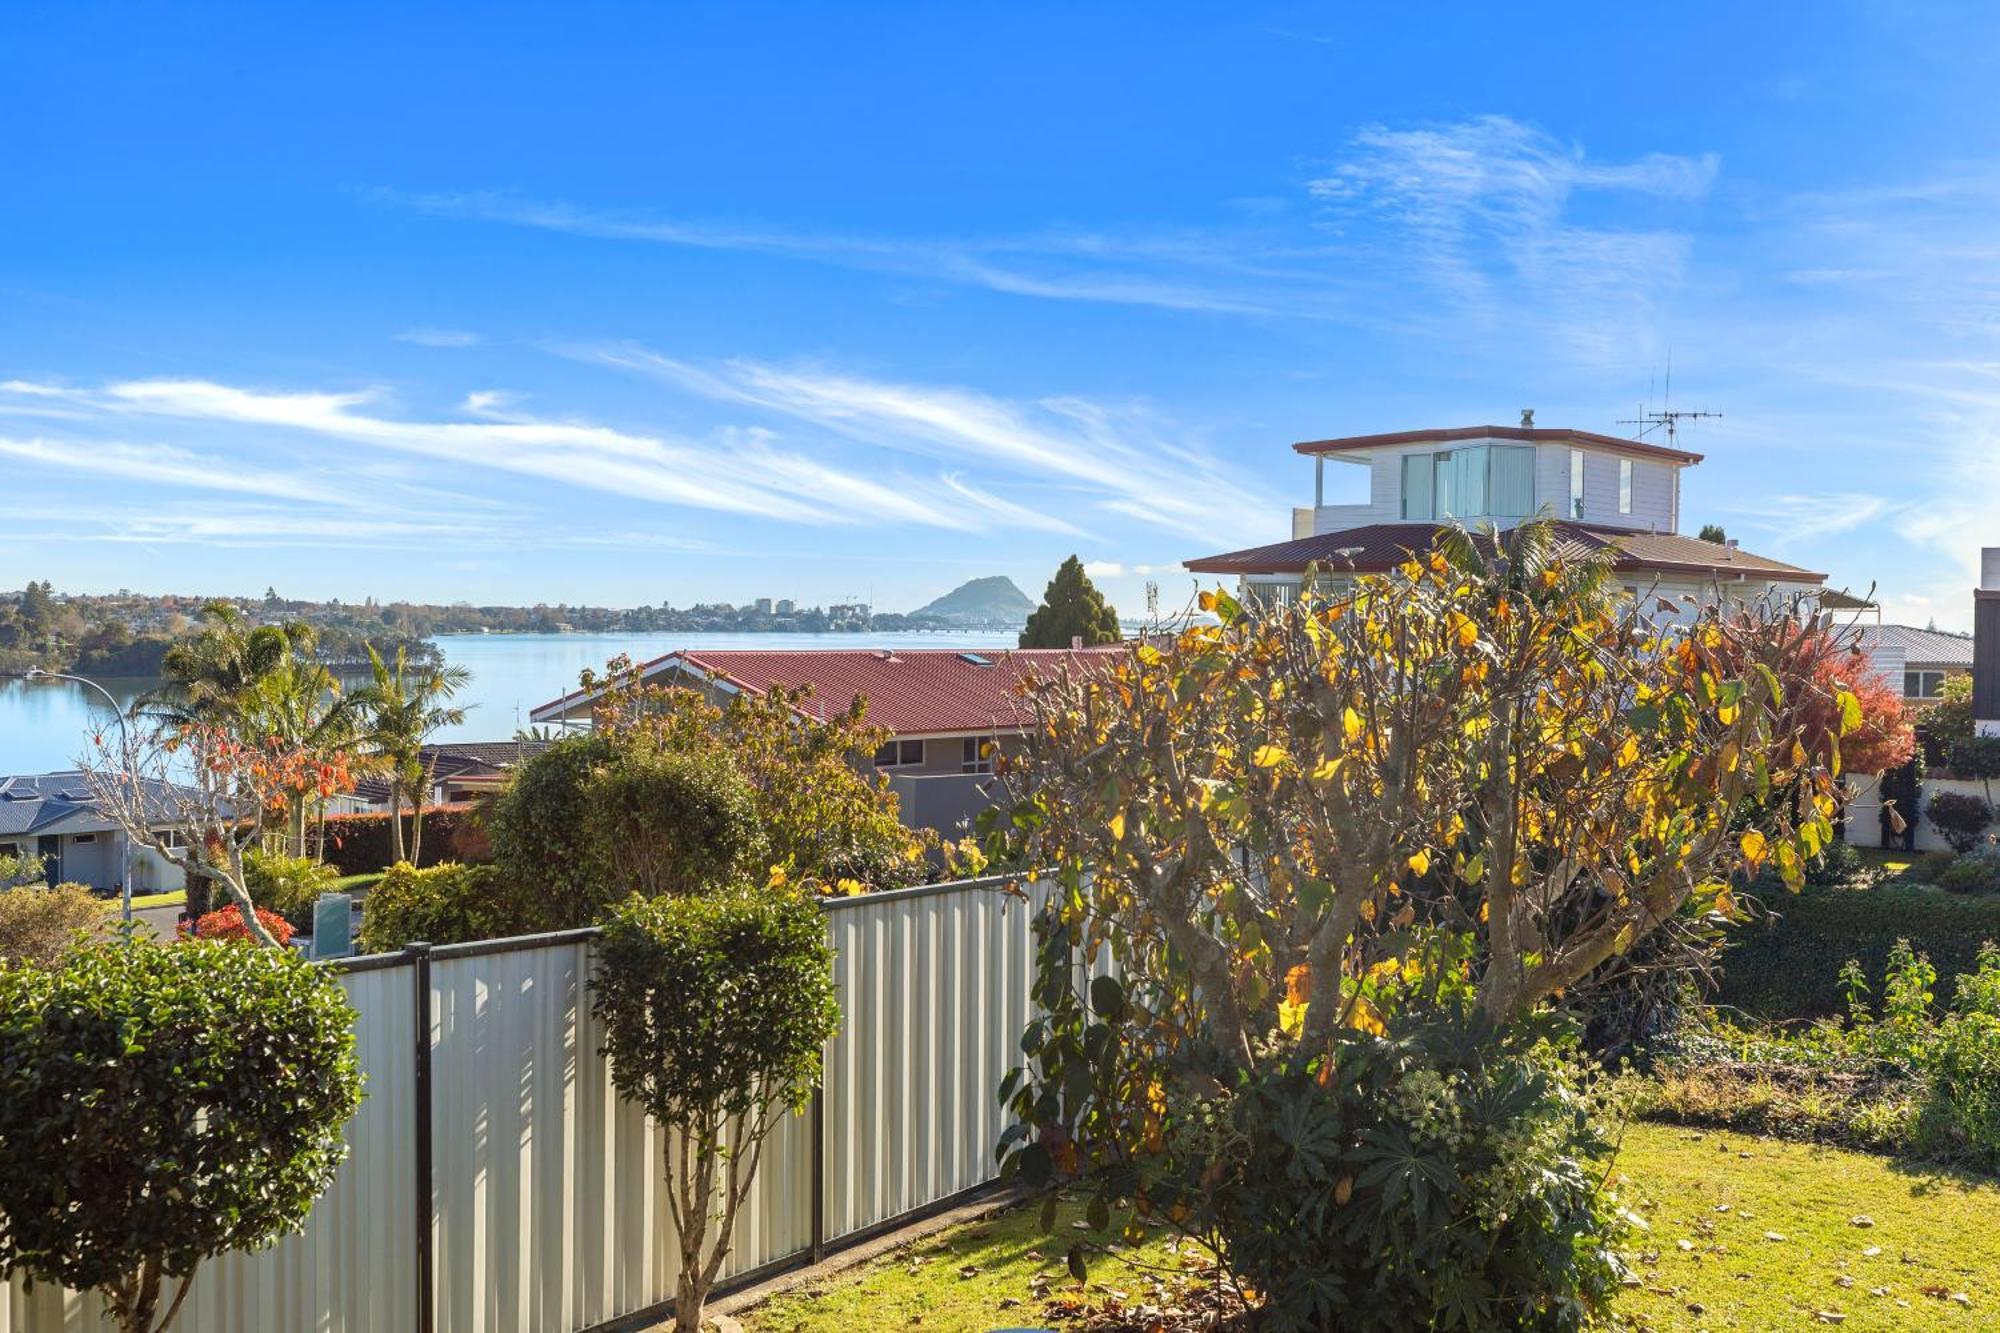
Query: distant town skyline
x,y
838,305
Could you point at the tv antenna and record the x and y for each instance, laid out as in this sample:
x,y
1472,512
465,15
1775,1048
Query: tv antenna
x,y
1667,416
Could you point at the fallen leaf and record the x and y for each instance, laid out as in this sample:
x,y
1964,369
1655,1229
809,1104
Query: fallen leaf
x,y
1843,1281
1861,1220
970,1270
1829,1316
1872,1251
1774,1235
1009,1302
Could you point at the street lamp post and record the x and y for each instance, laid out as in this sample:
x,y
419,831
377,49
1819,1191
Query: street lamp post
x,y
125,744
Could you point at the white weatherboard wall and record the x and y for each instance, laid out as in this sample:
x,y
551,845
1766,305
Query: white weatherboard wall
x,y
549,1210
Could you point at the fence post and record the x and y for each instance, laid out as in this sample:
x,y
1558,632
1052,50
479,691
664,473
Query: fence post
x,y
420,956
818,1244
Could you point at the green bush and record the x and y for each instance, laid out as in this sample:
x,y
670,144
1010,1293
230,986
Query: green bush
x,y
1838,864
1927,869
1976,872
1441,1175
674,821
1960,818
441,904
160,1105
40,925
1788,966
287,885
716,1010
1976,757
555,874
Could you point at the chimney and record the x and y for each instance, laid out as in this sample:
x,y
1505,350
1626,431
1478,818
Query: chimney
x,y
1076,643
1986,645
1528,417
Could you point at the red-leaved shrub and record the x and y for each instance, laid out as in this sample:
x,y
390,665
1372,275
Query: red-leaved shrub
x,y
227,924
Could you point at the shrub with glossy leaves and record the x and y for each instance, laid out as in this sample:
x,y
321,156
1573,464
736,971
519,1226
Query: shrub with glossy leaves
x,y
1443,1174
287,885
161,1105
555,875
715,1012
674,821
40,925
441,904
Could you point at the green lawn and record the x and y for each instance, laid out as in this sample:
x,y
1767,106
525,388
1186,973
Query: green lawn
x,y
176,898
1745,1233
357,883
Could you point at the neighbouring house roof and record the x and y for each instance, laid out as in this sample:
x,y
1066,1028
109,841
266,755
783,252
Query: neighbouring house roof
x,y
1530,434
1382,546
484,763
44,804
1921,647
910,692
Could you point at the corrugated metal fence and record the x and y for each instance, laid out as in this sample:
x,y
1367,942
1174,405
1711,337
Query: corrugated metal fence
x,y
545,1204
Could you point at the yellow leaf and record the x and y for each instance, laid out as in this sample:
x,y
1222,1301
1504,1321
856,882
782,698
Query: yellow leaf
x,y
1366,1017
1298,984
1268,756
1351,725
1629,753
1462,629
1368,910
1420,863
1325,769
1754,846
1117,826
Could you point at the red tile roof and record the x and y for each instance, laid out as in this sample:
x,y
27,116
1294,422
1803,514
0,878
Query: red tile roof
x,y
1382,546
911,692
1534,434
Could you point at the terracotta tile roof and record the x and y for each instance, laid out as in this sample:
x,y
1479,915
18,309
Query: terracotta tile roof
x,y
911,692
1532,434
1382,546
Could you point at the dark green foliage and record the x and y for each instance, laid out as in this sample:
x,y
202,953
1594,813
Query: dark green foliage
x,y
1788,967
716,1004
363,844
440,904
556,874
1712,532
716,1010
287,885
1838,864
675,821
1976,757
1975,872
161,1105
1960,818
1072,608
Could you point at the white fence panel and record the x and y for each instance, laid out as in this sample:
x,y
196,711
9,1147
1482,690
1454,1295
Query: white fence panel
x,y
934,994
353,1268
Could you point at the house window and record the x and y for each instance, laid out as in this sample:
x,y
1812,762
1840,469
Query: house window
x,y
172,839
1923,684
1271,594
978,756
1469,483
1576,483
900,754
1417,486
1624,485
80,838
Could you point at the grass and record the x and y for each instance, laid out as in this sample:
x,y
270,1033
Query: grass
x,y
357,883
1712,1202
174,898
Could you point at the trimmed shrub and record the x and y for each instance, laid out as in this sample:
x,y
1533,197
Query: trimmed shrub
x,y
163,1105
1976,757
287,885
362,844
674,821
1838,864
715,1010
1975,872
227,924
1960,818
441,904
39,926
1788,966
1441,1174
553,872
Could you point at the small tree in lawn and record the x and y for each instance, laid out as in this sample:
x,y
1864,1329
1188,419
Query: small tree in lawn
x,y
195,792
163,1105
1331,845
1072,608
715,1012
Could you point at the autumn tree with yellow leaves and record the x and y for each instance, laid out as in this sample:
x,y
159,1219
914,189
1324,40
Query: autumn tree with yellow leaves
x,y
1465,786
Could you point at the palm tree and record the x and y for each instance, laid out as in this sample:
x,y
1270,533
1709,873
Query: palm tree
x,y
299,703
208,677
404,706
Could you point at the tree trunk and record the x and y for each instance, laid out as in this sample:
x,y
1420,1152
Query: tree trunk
x,y
396,818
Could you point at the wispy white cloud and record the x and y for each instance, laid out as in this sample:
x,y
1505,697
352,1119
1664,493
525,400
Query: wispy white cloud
x,y
1121,460
427,336
162,465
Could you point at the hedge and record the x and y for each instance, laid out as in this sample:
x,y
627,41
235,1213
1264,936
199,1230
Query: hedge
x,y
1789,968
361,844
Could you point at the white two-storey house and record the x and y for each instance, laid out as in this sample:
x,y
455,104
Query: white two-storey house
x,y
1602,491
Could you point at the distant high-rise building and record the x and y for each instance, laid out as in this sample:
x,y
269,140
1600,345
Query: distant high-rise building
x,y
787,607
763,605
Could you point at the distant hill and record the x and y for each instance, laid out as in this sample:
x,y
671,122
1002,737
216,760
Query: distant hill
x,y
992,600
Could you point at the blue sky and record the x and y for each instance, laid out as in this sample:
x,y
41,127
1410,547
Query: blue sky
x,y
621,304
